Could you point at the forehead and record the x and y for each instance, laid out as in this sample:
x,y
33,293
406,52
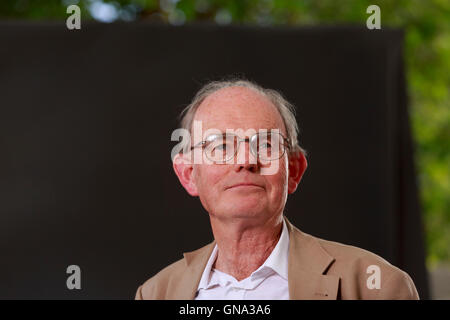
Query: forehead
x,y
238,108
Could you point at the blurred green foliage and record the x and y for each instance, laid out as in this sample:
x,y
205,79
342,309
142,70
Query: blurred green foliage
x,y
427,54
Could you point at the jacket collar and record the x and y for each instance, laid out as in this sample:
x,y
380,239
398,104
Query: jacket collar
x,y
307,267
308,264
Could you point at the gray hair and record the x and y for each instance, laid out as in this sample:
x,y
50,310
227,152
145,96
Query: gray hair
x,y
285,108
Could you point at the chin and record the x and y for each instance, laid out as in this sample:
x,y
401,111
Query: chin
x,y
250,210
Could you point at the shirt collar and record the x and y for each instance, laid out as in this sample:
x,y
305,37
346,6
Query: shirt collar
x,y
277,261
206,276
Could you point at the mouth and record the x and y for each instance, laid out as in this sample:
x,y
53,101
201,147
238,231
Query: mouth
x,y
244,186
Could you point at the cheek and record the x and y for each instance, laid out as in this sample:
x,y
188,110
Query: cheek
x,y
208,178
279,181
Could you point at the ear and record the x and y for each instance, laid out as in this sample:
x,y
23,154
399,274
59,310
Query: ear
x,y
297,166
183,167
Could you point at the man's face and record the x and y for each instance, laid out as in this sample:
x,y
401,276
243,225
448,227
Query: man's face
x,y
238,190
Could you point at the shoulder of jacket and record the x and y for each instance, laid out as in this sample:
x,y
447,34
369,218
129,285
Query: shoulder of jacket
x,y
356,267
352,258
152,288
170,276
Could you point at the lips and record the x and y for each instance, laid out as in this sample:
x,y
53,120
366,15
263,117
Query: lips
x,y
243,185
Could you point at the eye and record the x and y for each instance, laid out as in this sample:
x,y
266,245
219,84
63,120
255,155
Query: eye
x,y
265,145
221,147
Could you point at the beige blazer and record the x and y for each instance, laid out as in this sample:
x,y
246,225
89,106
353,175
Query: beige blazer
x,y
317,269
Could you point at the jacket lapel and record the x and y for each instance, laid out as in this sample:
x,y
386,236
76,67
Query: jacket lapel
x,y
308,263
196,261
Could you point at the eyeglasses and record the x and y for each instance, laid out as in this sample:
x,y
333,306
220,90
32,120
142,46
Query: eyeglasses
x,y
266,146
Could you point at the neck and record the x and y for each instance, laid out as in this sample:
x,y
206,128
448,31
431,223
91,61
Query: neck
x,y
244,245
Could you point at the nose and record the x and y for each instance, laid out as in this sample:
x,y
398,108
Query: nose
x,y
245,158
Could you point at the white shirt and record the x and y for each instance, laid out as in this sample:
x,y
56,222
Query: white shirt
x,y
268,282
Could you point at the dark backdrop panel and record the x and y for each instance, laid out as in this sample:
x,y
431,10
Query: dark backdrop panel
x,y
85,124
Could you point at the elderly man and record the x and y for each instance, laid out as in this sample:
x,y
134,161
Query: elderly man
x,y
243,182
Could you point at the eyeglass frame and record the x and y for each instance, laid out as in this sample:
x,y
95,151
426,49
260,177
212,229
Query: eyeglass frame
x,y
286,145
